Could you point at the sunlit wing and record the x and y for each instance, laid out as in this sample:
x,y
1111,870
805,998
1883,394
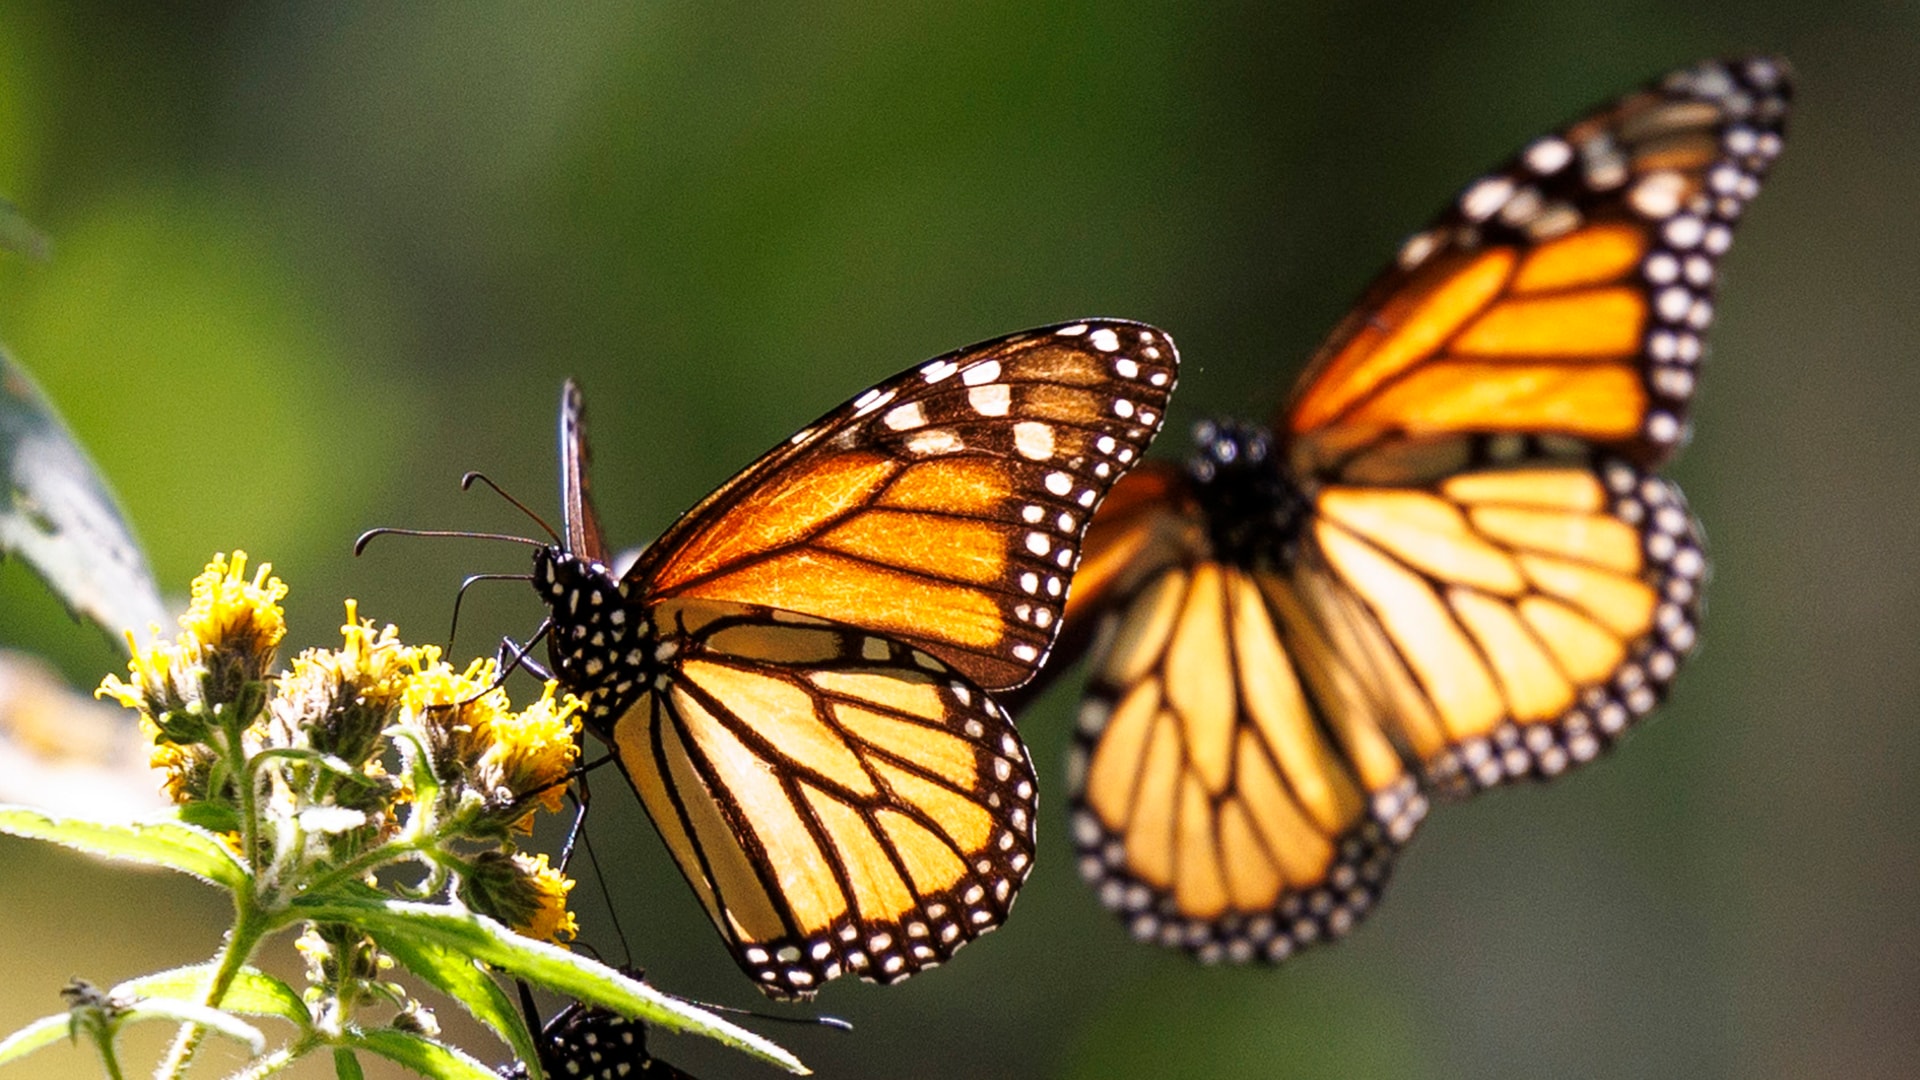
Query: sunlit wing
x,y
1234,792
1516,619
944,507
1564,294
840,802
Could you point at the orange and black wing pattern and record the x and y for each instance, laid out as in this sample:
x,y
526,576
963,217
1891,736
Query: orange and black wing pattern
x,y
1518,616
1564,294
943,507
1449,567
841,803
794,676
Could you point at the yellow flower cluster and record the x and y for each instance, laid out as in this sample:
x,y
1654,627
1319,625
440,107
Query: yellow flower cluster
x,y
227,638
494,767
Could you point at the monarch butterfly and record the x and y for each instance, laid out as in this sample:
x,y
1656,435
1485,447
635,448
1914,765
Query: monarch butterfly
x,y
594,1043
794,677
1448,566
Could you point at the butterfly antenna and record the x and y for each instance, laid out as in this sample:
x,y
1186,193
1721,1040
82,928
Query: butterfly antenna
x,y
366,538
467,482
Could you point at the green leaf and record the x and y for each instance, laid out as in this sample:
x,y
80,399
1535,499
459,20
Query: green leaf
x,y
346,1066
421,1054
42,1032
215,817
253,992
459,977
172,844
60,516
550,966
217,1021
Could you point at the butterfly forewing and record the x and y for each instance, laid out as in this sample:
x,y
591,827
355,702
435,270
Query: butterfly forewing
x,y
944,507
841,802
1566,293
582,524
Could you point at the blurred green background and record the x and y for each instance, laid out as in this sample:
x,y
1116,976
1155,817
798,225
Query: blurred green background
x,y
314,262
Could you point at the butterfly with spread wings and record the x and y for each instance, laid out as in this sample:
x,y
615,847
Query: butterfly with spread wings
x,y
1449,564
795,676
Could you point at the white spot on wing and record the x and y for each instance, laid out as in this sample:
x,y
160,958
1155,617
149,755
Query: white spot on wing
x,y
1033,439
993,399
982,373
934,441
905,417
1104,339
870,401
1657,195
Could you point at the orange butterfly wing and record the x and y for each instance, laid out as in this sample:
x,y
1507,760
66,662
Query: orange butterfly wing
x,y
944,507
1563,294
791,677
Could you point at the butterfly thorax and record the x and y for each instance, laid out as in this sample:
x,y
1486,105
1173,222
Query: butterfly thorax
x,y
601,643
1253,512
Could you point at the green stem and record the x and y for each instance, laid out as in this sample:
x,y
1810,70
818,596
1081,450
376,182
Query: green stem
x,y
109,1057
248,929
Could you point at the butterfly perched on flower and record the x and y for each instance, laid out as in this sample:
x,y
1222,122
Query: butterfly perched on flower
x,y
1447,565
795,676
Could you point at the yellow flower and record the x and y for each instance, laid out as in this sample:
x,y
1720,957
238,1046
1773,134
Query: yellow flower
x,y
227,640
549,919
238,619
524,892
167,677
530,754
338,701
456,709
188,766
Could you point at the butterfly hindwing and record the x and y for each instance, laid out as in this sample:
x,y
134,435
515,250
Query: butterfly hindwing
x,y
944,507
1528,612
839,801
1228,795
1565,293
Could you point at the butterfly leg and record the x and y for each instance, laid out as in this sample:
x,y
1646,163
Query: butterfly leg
x,y
513,656
581,797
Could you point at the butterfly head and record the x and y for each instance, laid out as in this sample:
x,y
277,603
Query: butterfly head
x,y
601,644
1253,513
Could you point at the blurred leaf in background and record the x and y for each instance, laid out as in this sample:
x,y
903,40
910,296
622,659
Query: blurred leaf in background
x,y
61,518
